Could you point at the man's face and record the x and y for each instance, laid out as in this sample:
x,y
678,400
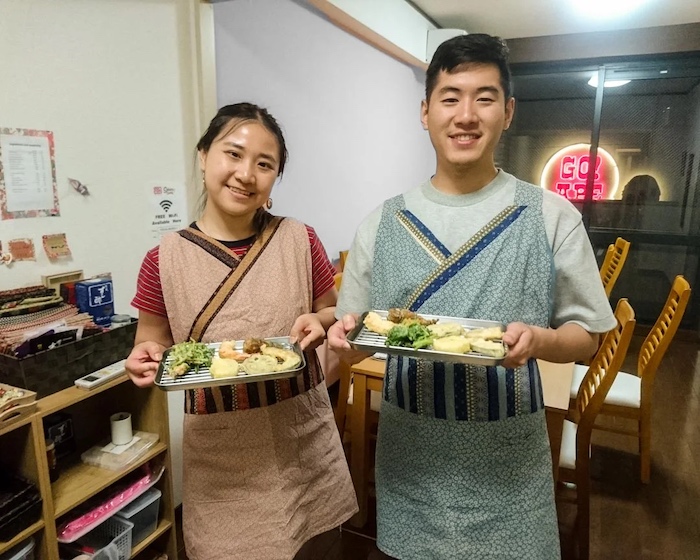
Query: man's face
x,y
466,115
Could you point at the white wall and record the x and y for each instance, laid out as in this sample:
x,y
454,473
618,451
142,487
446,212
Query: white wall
x,y
350,113
112,80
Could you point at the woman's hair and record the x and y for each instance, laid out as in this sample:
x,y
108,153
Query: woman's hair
x,y
641,189
227,119
475,48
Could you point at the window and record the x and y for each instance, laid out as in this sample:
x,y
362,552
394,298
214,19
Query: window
x,y
645,137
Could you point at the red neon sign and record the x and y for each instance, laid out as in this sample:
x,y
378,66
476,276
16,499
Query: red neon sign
x,y
566,173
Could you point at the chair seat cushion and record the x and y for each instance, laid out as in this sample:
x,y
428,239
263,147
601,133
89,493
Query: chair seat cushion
x,y
567,452
375,399
626,390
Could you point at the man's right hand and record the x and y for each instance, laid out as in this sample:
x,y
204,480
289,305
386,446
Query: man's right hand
x,y
337,340
142,363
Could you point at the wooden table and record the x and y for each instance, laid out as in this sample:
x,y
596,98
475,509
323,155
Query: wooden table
x,y
368,375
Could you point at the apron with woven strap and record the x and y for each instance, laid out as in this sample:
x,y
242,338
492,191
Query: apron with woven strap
x,y
264,469
463,466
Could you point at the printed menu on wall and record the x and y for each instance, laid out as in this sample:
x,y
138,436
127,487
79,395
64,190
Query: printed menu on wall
x,y
56,246
27,174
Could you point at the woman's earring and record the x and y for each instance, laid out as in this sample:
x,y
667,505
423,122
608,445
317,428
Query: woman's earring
x,y
268,204
204,182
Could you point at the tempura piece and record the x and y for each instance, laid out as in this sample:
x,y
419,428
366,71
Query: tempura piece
x,y
259,363
378,325
179,369
454,344
441,330
226,350
287,359
489,333
488,347
190,355
406,317
253,345
223,367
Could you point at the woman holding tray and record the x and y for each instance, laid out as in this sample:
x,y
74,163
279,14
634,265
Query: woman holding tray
x,y
264,470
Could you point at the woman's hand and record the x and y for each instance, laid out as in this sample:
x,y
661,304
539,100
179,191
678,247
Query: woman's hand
x,y
142,363
337,340
308,330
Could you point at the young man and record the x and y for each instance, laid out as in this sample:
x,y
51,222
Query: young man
x,y
463,467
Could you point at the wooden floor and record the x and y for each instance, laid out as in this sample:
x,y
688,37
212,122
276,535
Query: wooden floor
x,y
629,520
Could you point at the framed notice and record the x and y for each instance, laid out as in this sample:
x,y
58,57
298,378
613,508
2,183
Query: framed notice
x,y
27,174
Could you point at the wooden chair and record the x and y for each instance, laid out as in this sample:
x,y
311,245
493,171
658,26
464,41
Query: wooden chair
x,y
631,394
613,262
343,258
610,270
574,458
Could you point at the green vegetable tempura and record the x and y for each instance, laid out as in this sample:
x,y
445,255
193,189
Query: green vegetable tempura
x,y
189,355
412,336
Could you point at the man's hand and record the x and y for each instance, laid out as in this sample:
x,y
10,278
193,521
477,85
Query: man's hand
x,y
142,363
568,343
520,339
337,340
309,331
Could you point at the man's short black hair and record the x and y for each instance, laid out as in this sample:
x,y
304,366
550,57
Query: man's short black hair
x,y
478,48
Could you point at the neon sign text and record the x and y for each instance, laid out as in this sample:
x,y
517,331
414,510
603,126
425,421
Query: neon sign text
x,y
566,173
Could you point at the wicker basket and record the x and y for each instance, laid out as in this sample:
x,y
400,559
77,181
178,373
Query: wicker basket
x,y
56,369
113,537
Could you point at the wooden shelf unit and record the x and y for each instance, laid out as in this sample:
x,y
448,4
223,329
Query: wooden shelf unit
x,y
18,538
24,452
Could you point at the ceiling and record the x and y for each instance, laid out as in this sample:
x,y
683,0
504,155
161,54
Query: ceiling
x,y
512,19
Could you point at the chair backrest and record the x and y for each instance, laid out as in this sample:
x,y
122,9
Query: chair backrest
x,y
613,262
601,373
338,280
343,258
659,338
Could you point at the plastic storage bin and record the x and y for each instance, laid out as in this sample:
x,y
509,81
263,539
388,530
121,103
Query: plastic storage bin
x,y
143,513
23,551
113,534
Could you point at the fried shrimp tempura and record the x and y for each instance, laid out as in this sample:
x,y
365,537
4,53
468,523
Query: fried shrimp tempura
x,y
228,352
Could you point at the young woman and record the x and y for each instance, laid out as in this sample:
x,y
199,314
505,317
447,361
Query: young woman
x,y
264,469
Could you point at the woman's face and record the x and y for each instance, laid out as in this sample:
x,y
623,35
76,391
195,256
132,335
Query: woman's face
x,y
240,169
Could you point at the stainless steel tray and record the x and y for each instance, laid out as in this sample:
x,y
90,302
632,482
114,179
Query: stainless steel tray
x,y
363,339
203,378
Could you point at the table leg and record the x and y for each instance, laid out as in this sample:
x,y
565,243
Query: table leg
x,y
359,446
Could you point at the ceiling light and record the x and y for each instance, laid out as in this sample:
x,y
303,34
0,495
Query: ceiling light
x,y
608,83
663,71
604,9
